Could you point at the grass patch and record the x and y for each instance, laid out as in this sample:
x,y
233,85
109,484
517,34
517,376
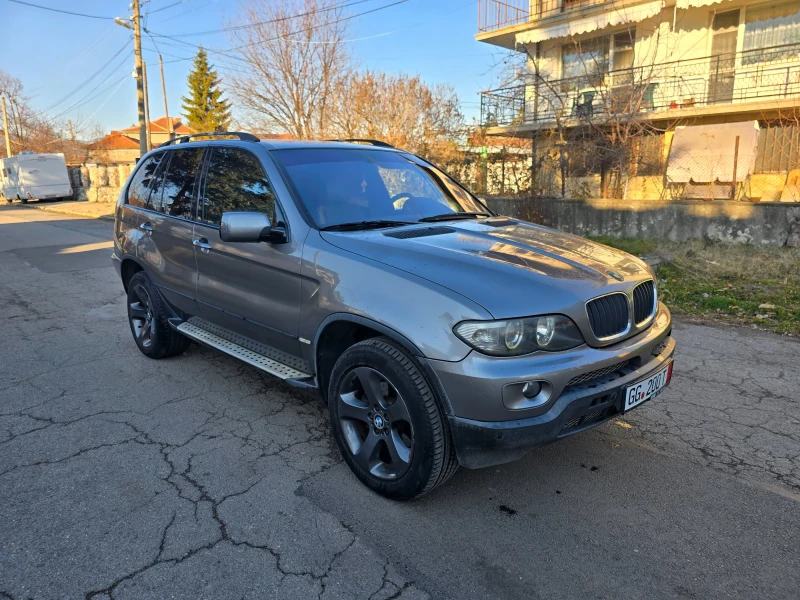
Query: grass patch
x,y
748,285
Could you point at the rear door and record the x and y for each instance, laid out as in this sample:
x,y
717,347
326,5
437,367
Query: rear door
x,y
126,226
165,247
250,288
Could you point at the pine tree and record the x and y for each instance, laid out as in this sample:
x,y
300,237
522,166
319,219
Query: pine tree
x,y
205,108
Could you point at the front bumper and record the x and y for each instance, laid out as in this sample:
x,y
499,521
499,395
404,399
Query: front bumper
x,y
486,432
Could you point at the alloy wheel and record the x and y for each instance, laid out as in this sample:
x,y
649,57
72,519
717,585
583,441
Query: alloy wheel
x,y
140,312
375,422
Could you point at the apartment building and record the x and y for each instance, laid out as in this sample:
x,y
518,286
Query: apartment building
x,y
711,88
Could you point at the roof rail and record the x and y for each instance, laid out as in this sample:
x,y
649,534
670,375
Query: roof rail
x,y
377,143
245,137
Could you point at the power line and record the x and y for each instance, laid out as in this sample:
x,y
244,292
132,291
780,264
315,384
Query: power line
x,y
58,10
111,95
80,86
86,98
278,20
152,12
227,52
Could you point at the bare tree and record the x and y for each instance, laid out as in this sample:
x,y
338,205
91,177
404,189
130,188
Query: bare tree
x,y
402,110
294,67
30,131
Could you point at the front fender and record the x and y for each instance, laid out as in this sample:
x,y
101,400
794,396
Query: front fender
x,y
416,312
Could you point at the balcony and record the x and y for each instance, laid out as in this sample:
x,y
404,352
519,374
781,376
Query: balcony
x,y
768,77
497,14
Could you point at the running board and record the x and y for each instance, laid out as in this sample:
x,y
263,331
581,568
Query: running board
x,y
273,367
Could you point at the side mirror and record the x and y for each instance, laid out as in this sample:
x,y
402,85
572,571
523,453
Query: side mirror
x,y
244,227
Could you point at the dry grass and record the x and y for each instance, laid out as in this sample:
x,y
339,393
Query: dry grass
x,y
749,285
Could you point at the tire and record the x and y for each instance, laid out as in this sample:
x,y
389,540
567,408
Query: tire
x,y
403,449
147,317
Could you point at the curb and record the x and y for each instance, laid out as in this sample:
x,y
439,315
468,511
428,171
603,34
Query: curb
x,y
73,213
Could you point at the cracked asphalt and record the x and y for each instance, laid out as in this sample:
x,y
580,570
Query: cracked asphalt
x,y
201,477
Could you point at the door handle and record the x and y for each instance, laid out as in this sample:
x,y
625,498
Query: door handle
x,y
147,228
203,244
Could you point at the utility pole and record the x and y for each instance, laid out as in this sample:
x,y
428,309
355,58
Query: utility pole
x,y
147,108
137,48
72,139
5,127
164,89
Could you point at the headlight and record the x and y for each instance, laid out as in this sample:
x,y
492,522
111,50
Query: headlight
x,y
513,337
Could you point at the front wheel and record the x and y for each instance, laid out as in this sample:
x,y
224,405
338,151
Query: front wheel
x,y
387,422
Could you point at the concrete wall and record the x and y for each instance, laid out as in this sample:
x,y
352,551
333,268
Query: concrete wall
x,y
98,183
679,220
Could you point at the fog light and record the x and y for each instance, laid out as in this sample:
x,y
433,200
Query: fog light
x,y
531,389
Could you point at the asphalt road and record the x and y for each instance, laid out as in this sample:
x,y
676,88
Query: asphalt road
x,y
200,477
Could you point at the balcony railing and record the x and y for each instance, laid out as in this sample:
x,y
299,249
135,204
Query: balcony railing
x,y
765,75
495,14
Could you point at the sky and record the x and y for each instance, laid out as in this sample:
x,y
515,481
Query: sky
x,y
79,68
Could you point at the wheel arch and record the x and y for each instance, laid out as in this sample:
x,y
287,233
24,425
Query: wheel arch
x,y
129,266
340,331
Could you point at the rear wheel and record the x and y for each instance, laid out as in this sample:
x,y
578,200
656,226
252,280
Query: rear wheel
x,y
148,316
389,426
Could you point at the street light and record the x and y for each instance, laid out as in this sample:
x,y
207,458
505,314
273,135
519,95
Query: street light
x,y
123,22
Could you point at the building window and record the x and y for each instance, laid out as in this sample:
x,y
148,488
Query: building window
x,y
585,62
778,148
771,33
623,57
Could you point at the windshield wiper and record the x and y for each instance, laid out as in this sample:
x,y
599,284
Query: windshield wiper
x,y
357,225
453,216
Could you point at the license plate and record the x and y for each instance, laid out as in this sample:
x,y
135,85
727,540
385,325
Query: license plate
x,y
644,390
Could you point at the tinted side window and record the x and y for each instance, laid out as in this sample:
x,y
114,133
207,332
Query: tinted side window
x,y
235,181
174,192
142,181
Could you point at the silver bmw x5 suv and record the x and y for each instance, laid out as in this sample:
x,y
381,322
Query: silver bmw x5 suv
x,y
437,332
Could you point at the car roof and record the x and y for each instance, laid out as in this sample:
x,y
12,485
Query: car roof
x,y
307,144
282,144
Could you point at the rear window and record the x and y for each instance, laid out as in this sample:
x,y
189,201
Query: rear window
x,y
342,185
142,182
174,193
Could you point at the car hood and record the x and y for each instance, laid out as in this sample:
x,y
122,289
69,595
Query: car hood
x,y
511,268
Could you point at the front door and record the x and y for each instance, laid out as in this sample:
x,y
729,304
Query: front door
x,y
250,288
165,246
722,70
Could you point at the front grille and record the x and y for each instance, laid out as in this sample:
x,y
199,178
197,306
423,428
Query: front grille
x,y
578,379
608,315
644,299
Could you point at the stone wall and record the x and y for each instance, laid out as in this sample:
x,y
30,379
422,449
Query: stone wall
x,y
770,223
98,183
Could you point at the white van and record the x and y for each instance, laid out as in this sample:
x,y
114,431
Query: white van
x,y
30,176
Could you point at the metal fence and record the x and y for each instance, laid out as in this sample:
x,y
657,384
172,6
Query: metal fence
x,y
764,74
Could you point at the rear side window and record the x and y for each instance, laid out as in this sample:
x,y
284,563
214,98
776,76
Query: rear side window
x,y
174,193
235,181
142,182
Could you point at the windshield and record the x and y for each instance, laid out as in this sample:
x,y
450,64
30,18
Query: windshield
x,y
339,186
